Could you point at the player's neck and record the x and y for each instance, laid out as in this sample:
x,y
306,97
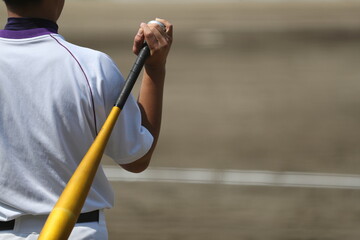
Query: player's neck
x,y
50,10
30,15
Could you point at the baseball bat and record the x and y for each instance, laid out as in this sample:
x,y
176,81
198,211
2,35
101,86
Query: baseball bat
x,y
66,211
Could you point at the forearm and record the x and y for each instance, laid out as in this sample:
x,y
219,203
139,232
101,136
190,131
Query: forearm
x,y
150,103
151,91
151,98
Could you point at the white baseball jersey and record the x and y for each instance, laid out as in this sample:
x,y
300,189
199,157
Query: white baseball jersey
x,y
54,98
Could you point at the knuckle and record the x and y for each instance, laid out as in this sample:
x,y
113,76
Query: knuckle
x,y
137,38
169,41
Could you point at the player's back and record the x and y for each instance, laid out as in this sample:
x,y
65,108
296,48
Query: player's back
x,y
47,119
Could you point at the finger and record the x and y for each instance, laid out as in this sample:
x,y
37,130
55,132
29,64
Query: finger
x,y
149,35
168,25
138,41
169,31
157,27
159,33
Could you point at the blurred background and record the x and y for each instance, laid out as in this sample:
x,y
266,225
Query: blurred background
x,y
264,90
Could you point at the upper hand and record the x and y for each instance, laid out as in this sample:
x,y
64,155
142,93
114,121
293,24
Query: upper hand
x,y
158,40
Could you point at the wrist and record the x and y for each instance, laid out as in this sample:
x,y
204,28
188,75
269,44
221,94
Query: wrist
x,y
155,71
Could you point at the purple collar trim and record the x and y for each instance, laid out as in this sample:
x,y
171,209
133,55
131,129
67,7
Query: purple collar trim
x,y
19,34
18,28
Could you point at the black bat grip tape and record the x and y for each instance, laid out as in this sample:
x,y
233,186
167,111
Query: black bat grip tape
x,y
133,75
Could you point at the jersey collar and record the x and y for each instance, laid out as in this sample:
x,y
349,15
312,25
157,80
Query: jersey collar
x,y
17,28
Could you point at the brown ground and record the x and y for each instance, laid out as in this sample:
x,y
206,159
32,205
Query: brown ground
x,y
252,87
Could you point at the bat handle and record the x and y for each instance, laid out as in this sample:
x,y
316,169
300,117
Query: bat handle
x,y
135,70
133,75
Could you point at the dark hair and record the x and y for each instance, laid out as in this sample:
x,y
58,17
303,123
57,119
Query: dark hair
x,y
21,3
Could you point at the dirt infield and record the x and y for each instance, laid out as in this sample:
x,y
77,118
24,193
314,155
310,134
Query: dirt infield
x,y
253,87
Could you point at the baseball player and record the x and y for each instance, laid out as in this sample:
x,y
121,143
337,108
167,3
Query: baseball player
x,y
54,98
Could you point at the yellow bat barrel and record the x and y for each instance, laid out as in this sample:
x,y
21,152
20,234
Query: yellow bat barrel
x,y
65,213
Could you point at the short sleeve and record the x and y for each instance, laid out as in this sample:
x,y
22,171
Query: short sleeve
x,y
129,140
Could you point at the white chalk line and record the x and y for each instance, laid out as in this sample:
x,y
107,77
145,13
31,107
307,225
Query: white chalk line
x,y
235,177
